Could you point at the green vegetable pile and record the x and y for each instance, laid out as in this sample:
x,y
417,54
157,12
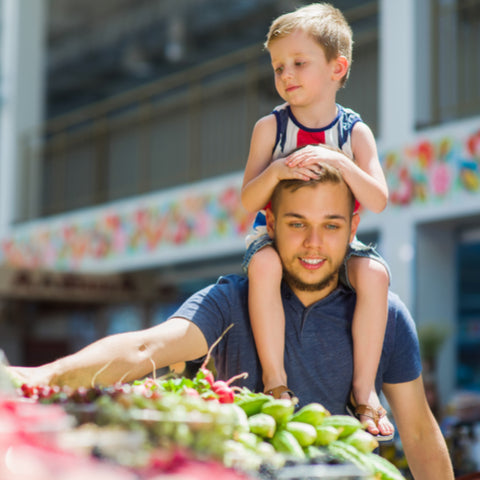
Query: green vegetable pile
x,y
209,418
240,428
312,433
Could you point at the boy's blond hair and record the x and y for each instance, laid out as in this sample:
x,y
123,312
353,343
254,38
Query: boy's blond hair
x,y
325,23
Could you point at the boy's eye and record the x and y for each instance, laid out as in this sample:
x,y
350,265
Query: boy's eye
x,y
278,70
299,63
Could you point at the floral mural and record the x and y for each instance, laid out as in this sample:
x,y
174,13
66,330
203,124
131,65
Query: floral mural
x,y
211,216
116,233
431,171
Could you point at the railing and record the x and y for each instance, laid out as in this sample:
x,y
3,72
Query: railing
x,y
183,128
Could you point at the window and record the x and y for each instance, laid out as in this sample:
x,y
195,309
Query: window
x,y
468,351
448,60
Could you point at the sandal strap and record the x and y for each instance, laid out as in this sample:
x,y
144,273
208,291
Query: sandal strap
x,y
368,411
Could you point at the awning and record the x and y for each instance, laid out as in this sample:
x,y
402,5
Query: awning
x,y
27,284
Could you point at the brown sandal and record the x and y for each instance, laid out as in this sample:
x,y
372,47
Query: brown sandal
x,y
368,411
277,392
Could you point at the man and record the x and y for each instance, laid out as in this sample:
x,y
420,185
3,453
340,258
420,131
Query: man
x,y
312,224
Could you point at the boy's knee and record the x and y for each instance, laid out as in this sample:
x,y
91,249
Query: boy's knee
x,y
368,272
265,260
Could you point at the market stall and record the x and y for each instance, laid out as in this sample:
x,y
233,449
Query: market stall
x,y
176,427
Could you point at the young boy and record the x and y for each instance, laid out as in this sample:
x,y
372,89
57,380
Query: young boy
x,y
310,51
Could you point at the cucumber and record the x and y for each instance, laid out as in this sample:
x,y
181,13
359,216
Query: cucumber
x,y
318,454
344,423
362,440
284,442
313,413
262,424
304,433
281,410
252,403
348,454
384,470
326,434
249,440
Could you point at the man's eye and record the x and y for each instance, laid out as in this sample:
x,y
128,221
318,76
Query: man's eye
x,y
296,225
332,226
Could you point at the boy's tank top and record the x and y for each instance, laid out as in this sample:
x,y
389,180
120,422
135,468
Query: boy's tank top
x,y
291,135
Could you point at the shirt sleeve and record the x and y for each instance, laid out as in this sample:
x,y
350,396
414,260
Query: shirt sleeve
x,y
404,363
214,308
204,309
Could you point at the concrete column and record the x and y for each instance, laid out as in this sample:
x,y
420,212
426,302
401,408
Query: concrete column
x,y
436,295
22,111
398,247
397,71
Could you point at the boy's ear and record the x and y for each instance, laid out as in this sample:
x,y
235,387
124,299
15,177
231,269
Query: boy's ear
x,y
340,68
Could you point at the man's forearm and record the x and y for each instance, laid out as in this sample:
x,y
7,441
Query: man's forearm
x,y
423,442
112,359
105,362
429,459
122,357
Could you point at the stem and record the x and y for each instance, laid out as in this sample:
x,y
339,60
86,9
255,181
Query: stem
x,y
237,377
214,344
97,373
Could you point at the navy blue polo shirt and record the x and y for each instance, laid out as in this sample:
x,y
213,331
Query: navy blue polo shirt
x,y
318,341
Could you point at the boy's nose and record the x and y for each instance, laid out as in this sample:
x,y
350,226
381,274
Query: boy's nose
x,y
287,73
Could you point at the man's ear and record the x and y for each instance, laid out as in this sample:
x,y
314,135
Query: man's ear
x,y
340,68
354,225
270,219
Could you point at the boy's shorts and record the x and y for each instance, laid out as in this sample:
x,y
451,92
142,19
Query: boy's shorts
x,y
356,248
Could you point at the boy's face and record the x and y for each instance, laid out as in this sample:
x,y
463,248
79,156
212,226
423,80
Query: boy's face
x,y
303,76
312,227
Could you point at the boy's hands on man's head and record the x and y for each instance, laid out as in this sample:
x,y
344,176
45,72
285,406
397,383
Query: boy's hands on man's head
x,y
295,172
315,155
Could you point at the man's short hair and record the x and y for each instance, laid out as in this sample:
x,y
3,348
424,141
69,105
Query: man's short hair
x,y
325,23
327,174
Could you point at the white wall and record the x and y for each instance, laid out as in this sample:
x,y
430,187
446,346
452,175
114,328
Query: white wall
x,y
397,70
22,57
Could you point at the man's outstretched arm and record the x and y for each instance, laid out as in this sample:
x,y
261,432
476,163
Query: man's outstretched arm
x,y
425,448
121,357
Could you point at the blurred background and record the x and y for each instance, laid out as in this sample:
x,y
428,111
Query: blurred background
x,y
124,129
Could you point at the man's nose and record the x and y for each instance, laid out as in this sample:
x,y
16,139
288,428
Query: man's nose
x,y
314,237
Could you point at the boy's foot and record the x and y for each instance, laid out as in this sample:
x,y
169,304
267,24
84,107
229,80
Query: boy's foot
x,y
375,419
282,392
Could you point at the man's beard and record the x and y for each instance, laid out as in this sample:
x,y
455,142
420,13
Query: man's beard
x,y
297,283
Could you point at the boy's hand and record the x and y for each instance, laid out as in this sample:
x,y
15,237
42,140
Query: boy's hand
x,y
301,172
313,155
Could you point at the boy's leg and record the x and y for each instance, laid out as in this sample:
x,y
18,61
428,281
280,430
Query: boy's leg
x,y
267,316
370,279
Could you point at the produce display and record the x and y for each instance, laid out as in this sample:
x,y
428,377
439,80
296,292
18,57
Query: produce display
x,y
209,420
177,427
